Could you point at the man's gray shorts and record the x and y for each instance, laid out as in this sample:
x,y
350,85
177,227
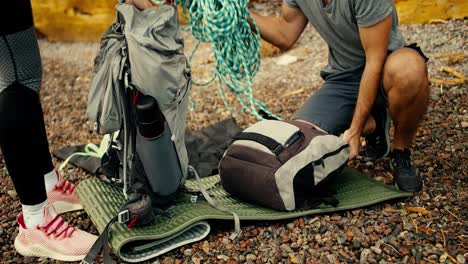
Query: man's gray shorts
x,y
332,106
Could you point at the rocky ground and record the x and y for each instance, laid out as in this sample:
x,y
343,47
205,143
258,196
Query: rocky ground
x,y
430,227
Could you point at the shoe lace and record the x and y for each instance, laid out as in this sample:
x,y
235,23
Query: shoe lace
x,y
65,186
58,227
375,140
402,160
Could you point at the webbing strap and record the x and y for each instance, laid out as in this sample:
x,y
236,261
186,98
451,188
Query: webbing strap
x,y
268,142
100,244
213,203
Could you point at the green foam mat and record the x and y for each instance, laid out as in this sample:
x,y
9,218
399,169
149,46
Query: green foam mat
x,y
188,221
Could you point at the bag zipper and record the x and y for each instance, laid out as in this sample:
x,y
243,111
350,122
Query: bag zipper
x,y
293,139
321,161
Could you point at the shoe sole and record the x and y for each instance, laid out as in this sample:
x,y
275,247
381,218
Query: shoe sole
x,y
387,138
417,189
40,251
64,207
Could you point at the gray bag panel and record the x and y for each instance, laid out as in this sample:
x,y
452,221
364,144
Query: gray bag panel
x,y
154,48
315,151
159,67
156,52
104,108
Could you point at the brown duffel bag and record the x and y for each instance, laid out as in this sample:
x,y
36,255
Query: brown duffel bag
x,y
283,165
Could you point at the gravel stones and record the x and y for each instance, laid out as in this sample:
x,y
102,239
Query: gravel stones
x,y
386,233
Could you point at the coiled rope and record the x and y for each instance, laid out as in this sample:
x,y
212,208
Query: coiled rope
x,y
224,24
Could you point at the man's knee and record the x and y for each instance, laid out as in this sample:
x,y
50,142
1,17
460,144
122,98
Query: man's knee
x,y
405,74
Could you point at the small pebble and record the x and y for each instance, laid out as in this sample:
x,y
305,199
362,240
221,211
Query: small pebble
x,y
331,258
356,244
443,258
461,259
376,250
341,240
286,248
12,194
28,260
188,252
404,251
364,255
251,257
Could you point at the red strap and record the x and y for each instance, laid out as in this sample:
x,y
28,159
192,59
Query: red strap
x,y
132,223
135,98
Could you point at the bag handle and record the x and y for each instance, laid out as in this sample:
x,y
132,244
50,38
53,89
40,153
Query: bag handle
x,y
273,145
268,142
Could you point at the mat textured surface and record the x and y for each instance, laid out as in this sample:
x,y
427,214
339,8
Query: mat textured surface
x,y
188,222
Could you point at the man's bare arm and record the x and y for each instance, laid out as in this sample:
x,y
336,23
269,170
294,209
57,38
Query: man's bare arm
x,y
282,31
375,42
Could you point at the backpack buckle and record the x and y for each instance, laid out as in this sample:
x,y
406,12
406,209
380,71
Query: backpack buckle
x,y
123,217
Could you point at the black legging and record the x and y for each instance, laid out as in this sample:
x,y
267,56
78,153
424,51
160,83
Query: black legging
x,y
23,137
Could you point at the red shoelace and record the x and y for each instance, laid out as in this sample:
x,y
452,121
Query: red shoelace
x,y
65,186
58,227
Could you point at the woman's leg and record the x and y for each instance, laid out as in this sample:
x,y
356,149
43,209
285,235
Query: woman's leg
x,y
23,138
23,141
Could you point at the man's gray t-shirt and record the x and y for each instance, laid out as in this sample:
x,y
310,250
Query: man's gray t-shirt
x,y
338,23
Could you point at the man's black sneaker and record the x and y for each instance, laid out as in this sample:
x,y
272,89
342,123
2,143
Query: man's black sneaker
x,y
404,173
378,142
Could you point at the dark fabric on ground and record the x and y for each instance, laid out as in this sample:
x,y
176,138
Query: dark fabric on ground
x,y
89,164
23,141
205,148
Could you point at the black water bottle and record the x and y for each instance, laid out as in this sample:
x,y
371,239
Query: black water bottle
x,y
155,148
149,117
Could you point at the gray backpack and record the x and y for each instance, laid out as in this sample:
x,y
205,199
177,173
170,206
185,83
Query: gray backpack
x,y
283,165
139,95
141,55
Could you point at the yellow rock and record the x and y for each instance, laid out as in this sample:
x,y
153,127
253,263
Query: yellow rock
x,y
70,20
74,20
86,20
268,50
416,11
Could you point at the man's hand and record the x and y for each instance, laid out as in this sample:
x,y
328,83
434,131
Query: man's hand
x,y
140,4
353,138
375,42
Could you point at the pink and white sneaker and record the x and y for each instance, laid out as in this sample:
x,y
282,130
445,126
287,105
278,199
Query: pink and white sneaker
x,y
63,196
54,238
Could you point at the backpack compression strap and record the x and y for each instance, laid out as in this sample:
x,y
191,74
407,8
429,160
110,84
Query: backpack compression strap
x,y
138,211
100,244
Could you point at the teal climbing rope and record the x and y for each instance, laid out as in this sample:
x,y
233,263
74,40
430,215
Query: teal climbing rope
x,y
224,24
